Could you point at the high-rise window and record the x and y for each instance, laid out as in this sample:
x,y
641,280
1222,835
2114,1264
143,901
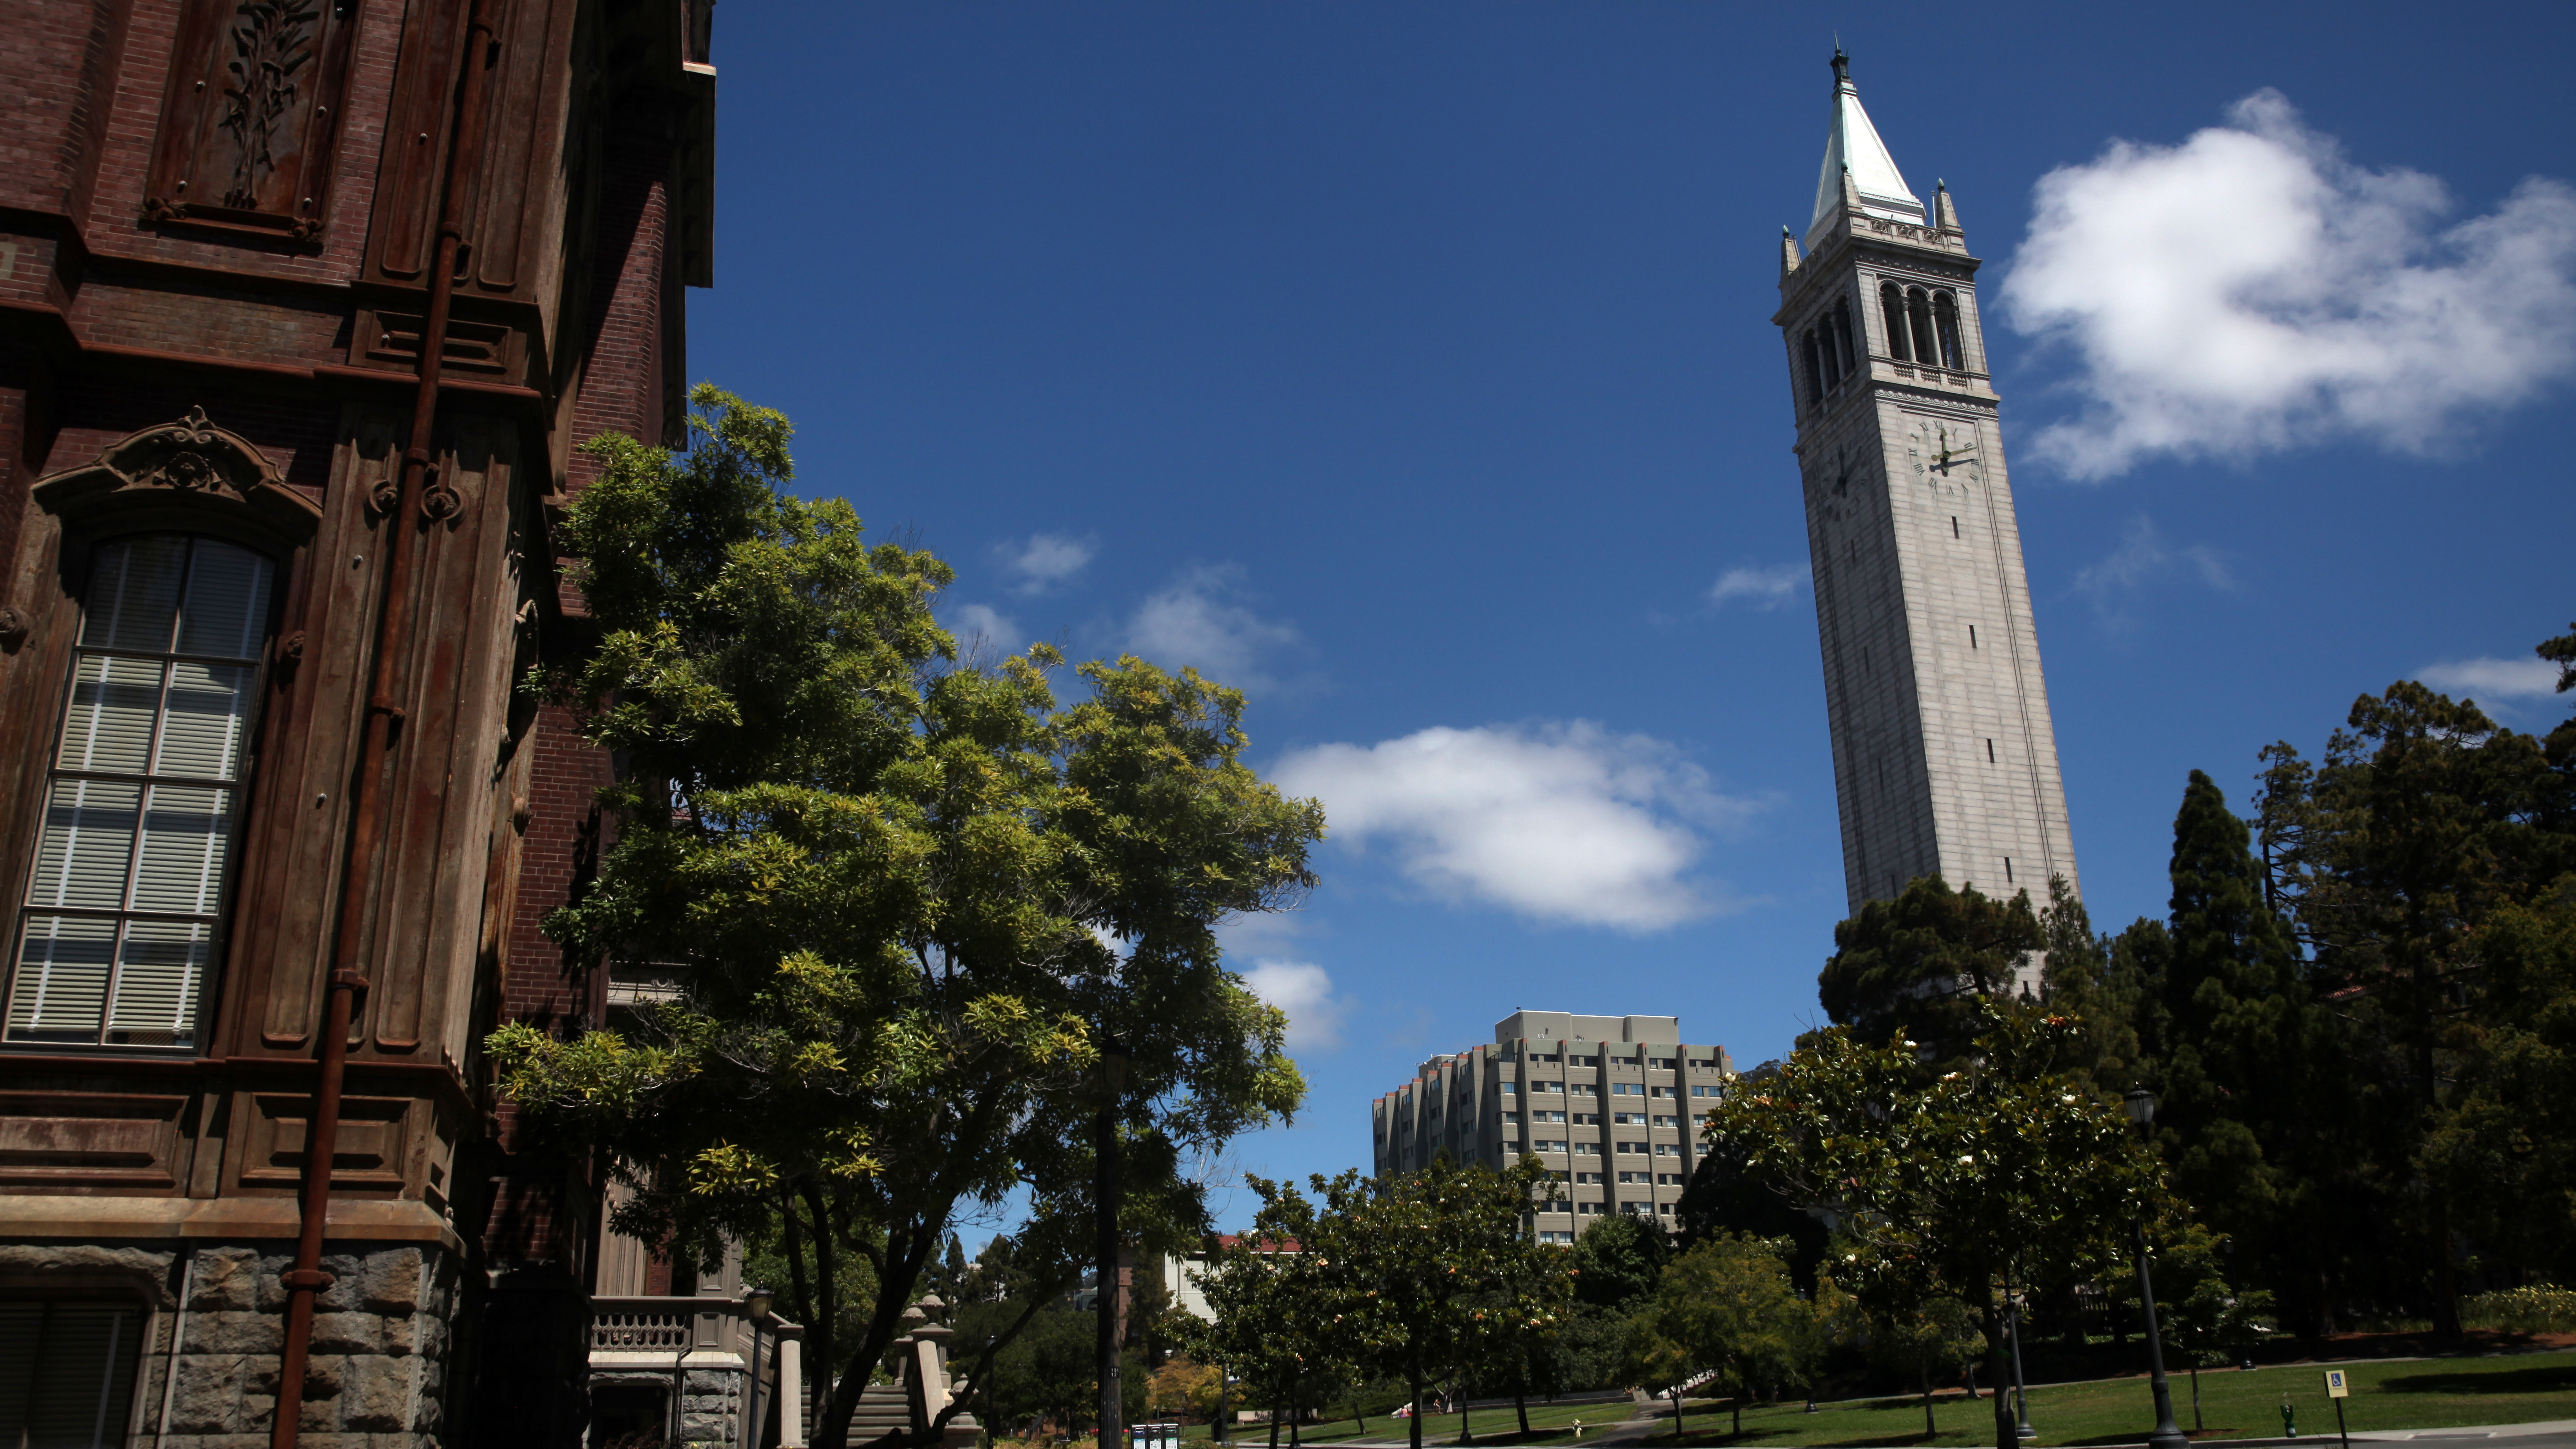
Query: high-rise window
x,y
117,937
67,1372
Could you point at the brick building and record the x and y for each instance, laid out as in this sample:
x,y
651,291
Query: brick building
x,y
1611,1105
264,767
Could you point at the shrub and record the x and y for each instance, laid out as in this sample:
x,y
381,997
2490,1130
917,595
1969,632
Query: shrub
x,y
2522,1310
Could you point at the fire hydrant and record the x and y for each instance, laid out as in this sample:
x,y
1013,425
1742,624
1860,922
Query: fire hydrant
x,y
2289,1419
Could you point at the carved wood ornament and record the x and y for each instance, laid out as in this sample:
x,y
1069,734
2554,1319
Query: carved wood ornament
x,y
251,119
190,458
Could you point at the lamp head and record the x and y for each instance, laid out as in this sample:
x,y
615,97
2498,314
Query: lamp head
x,y
1113,1063
756,1301
2141,1105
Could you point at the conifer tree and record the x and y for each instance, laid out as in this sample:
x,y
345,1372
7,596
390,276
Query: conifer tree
x,y
2084,980
2236,1033
1920,961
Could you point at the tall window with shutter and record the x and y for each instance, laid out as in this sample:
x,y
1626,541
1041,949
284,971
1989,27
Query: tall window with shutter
x,y
118,934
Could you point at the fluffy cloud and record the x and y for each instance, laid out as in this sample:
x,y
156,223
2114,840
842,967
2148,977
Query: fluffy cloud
x,y
1304,990
1559,822
1201,621
2493,678
966,621
1045,559
2252,290
2114,580
1763,588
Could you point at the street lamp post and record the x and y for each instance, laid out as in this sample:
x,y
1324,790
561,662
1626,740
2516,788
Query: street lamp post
x,y
2021,1393
2168,1434
755,1306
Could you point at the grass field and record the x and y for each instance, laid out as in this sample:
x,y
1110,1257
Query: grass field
x,y
2416,1394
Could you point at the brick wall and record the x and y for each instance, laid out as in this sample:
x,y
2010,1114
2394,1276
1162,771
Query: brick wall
x,y
621,330
112,223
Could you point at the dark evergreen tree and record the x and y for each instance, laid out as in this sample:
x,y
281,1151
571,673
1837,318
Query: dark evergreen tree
x,y
2233,1071
1723,1200
1919,962
2083,979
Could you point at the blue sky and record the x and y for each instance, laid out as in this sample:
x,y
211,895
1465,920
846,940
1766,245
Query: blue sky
x,y
1410,365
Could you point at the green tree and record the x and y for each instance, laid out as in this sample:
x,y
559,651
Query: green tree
x,y
1618,1260
2423,821
2236,1032
1532,1304
1726,1309
1275,1307
1412,1258
2505,1144
2204,1319
1922,960
2086,979
912,895
1920,1337
2001,1170
1724,1198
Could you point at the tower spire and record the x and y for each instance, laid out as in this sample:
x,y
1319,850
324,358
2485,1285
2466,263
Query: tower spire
x,y
1851,143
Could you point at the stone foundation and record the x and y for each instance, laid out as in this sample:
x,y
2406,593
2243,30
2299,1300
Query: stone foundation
x,y
377,1376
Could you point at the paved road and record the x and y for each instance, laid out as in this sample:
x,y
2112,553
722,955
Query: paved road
x,y
2547,1434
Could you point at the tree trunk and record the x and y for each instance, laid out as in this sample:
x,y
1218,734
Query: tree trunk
x,y
2006,1433
1929,1429
1466,1428
1296,1412
2196,1424
1105,1304
1520,1406
1736,1403
1677,1413
1413,1425
1274,1420
1356,1416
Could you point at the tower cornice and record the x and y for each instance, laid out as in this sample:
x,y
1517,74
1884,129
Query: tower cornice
x,y
1859,237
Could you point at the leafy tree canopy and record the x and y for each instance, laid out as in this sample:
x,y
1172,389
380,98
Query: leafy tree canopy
x,y
909,894
1618,1261
2001,1170
1727,1309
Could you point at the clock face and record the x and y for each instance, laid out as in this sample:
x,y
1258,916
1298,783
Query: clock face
x,y
1943,454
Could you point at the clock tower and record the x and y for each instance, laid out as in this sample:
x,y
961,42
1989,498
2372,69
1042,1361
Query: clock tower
x,y
1944,758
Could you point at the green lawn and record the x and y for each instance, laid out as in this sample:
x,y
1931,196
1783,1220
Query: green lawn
x,y
2422,1394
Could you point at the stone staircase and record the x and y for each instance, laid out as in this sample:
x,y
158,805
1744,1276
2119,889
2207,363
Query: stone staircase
x,y
926,1389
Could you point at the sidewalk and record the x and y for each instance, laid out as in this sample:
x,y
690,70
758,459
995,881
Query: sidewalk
x,y
2541,1434
2523,1436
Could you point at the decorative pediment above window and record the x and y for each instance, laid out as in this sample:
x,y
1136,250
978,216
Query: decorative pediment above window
x,y
188,464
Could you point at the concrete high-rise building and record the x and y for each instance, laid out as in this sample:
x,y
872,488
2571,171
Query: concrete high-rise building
x,y
1612,1105
1944,759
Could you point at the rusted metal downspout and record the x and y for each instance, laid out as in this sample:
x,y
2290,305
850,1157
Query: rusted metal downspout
x,y
405,520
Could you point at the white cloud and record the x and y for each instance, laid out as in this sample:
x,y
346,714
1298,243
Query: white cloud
x,y
2114,580
1559,822
1764,588
2493,678
1043,560
2252,290
1304,990
1200,621
967,621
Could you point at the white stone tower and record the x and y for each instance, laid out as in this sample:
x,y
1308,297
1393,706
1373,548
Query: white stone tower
x,y
1944,759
